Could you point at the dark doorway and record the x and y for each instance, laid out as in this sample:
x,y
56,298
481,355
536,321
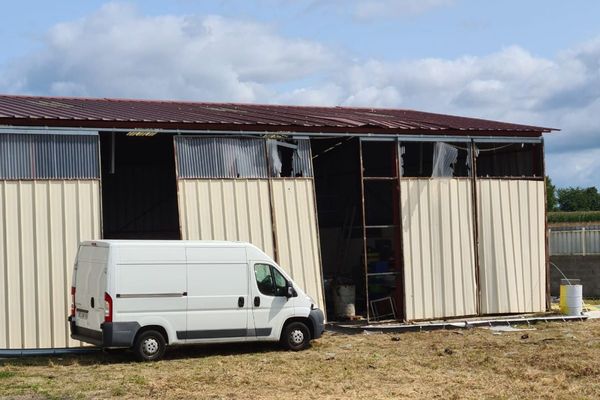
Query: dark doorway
x,y
139,189
336,165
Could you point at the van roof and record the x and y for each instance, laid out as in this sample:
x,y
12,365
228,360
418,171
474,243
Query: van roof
x,y
169,243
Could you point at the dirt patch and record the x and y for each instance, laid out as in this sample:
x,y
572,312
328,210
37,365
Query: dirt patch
x,y
556,360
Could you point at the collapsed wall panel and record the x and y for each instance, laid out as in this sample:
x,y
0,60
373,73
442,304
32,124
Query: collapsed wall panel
x,y
511,245
42,225
296,236
439,259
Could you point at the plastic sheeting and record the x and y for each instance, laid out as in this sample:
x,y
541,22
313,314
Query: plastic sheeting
x,y
444,158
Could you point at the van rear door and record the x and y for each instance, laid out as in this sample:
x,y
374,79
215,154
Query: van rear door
x,y
90,286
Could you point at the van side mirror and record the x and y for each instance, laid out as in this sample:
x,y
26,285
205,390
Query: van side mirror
x,y
290,292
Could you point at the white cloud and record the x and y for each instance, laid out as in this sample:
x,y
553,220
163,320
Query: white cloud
x,y
117,52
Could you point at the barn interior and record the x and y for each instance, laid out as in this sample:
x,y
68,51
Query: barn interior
x,y
139,189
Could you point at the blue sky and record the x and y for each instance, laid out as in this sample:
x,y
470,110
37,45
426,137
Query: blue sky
x,y
532,62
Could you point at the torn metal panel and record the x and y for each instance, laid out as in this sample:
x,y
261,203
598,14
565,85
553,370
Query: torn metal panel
x,y
296,236
302,160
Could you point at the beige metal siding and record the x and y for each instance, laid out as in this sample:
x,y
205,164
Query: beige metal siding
x,y
226,209
439,260
296,234
511,245
42,224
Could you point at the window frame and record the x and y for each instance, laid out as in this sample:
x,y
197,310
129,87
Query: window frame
x,y
272,273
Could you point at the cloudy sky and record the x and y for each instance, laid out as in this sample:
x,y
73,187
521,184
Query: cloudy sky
x,y
534,62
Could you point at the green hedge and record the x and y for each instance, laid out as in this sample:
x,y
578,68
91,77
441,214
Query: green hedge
x,y
574,216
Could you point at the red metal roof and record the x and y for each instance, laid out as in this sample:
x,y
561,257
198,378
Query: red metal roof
x,y
121,113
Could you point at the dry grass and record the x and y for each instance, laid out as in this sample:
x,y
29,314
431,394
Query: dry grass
x,y
553,361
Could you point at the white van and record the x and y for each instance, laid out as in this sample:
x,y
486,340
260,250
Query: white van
x,y
145,295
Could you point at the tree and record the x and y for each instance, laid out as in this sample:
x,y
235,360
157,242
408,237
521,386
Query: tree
x,y
579,199
551,200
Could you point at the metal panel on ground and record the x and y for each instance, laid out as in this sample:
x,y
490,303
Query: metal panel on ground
x,y
226,209
439,259
296,236
42,225
511,245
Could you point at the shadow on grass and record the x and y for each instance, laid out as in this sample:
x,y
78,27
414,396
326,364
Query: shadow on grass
x,y
124,356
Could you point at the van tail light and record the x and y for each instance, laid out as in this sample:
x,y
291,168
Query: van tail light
x,y
108,308
73,309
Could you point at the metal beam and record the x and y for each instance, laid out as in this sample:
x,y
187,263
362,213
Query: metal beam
x,y
437,137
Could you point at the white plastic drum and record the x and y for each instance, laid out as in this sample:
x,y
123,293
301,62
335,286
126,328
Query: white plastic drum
x,y
343,300
571,299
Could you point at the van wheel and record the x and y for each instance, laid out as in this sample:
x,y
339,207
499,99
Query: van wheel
x,y
296,336
149,346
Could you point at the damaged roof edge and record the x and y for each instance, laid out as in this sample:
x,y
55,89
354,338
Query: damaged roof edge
x,y
181,115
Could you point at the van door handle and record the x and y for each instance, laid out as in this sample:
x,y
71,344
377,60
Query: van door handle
x,y
256,301
240,301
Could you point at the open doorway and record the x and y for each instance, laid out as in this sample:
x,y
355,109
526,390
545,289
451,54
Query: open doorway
x,y
336,165
360,255
139,188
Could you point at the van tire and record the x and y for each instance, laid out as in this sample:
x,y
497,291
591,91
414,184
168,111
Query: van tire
x,y
296,336
149,346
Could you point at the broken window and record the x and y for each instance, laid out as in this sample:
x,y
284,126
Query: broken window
x,y
202,157
435,159
46,156
289,158
379,158
509,160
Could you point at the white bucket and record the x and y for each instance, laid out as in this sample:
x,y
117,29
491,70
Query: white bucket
x,y
571,299
344,297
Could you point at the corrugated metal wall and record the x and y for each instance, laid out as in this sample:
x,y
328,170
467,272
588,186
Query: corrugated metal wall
x,y
439,259
42,225
202,157
240,209
25,156
296,235
511,245
226,209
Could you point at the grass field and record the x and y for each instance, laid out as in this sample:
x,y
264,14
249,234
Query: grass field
x,y
556,360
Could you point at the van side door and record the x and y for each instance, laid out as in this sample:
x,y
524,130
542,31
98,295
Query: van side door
x,y
270,306
218,308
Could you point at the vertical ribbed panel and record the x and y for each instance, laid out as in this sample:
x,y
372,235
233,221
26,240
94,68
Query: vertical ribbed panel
x,y
42,225
226,210
439,259
511,246
24,156
302,159
296,234
201,157
574,241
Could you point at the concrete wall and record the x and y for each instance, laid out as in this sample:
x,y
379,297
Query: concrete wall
x,y
586,268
